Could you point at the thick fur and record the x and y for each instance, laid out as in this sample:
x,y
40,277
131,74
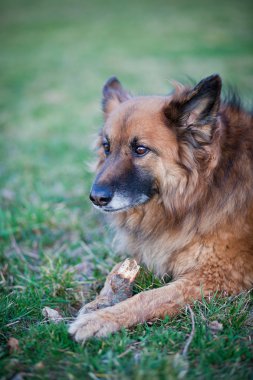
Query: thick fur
x,y
187,203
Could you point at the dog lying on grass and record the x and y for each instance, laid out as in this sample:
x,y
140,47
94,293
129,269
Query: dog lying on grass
x,y
175,174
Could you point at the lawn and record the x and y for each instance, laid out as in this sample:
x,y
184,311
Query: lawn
x,y
55,57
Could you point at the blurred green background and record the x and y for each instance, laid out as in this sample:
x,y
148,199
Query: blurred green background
x,y
54,58
56,55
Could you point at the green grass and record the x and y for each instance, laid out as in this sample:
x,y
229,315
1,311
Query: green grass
x,y
55,57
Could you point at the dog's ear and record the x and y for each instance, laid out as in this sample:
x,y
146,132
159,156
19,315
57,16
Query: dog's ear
x,y
113,95
195,111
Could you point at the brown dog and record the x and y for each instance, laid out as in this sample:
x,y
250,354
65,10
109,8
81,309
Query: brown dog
x,y
176,175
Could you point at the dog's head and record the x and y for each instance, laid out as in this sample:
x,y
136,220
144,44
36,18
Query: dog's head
x,y
155,144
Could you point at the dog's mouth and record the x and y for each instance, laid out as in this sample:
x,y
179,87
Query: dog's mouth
x,y
121,204
109,210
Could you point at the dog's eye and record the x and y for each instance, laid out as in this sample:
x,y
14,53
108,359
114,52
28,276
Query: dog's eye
x,y
140,150
106,147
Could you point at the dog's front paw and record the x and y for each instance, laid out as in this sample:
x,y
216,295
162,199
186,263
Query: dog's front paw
x,y
98,324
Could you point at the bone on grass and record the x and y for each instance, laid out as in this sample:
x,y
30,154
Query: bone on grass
x,y
118,286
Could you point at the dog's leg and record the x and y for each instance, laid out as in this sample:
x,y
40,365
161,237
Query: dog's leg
x,y
118,287
145,306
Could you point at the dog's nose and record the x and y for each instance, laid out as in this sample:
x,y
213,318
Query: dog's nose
x,y
100,196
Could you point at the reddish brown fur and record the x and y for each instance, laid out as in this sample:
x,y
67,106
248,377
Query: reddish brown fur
x,y
199,226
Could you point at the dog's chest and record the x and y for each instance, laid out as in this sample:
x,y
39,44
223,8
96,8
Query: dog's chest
x,y
163,255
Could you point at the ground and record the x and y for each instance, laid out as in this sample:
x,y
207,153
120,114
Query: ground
x,y
55,57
